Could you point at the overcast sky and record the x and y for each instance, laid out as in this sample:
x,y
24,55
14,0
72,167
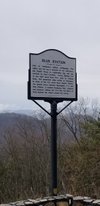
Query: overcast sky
x,y
26,26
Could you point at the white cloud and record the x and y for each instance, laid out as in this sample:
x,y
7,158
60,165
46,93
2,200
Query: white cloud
x,y
34,25
7,107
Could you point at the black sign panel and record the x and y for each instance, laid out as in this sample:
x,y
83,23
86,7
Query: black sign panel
x,y
52,75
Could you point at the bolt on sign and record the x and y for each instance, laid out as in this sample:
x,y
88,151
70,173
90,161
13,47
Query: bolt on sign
x,y
52,76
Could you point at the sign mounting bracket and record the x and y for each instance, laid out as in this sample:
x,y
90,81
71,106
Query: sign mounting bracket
x,y
41,107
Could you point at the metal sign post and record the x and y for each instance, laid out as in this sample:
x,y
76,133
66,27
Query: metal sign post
x,y
54,147
52,78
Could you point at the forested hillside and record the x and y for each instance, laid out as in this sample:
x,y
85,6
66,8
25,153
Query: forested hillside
x,y
25,154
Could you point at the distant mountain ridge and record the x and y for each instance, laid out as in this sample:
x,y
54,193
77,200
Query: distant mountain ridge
x,y
8,120
31,122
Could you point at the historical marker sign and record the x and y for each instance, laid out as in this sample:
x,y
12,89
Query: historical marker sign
x,y
52,75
